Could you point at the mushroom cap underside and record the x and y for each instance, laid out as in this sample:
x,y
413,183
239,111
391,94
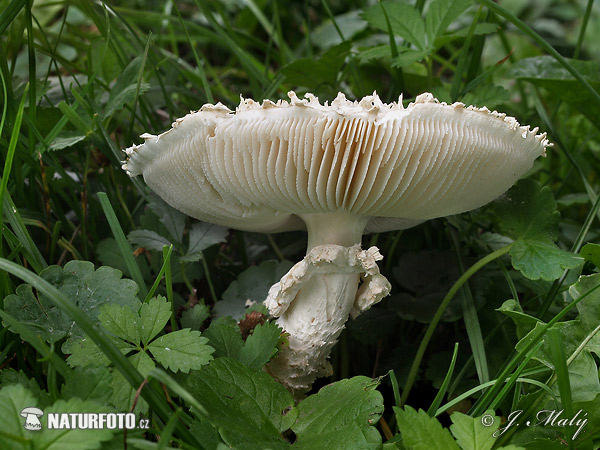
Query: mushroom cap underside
x,y
264,166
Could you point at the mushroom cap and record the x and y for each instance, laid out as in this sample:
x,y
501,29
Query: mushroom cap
x,y
31,410
263,167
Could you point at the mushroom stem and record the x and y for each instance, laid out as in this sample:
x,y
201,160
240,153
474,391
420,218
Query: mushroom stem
x,y
313,300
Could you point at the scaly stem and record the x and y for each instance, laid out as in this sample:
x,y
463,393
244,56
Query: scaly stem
x,y
314,299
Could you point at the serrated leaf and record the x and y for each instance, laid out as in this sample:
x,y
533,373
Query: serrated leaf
x,y
150,240
12,401
440,14
341,415
421,432
87,288
253,284
536,259
405,20
83,352
88,383
261,345
471,434
202,236
487,95
249,408
173,220
123,393
121,321
409,56
225,338
182,350
195,317
154,315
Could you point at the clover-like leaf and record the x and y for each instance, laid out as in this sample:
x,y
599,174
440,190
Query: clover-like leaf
x,y
421,432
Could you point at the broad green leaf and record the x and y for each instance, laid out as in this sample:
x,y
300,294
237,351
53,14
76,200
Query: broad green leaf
x,y
249,408
440,14
123,393
528,214
125,88
421,432
528,211
546,72
253,284
471,434
324,70
72,439
173,220
181,350
10,376
225,338
150,240
87,288
261,345
591,252
405,20
154,315
536,259
121,321
341,415
12,401
88,383
195,317
202,236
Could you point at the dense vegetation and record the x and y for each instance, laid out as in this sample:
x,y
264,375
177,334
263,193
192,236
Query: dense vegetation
x,y
113,301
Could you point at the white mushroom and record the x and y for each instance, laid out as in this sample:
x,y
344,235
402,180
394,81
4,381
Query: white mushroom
x,y
339,171
32,415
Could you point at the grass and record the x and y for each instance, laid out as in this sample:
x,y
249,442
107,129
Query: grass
x,y
82,80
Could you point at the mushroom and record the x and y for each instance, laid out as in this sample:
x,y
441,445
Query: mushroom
x,y
338,171
32,415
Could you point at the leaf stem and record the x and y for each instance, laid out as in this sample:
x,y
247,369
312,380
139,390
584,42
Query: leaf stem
x,y
438,316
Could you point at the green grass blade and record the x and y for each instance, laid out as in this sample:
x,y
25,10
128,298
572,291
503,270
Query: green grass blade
x,y
124,246
8,15
557,351
444,387
166,262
